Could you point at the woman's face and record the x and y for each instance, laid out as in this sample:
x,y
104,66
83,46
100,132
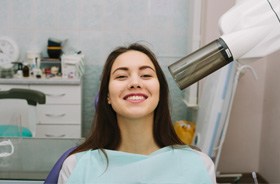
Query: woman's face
x,y
133,87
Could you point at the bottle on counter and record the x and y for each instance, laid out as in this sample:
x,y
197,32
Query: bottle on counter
x,y
25,70
19,69
20,65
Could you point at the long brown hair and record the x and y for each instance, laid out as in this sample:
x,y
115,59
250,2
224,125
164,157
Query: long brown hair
x,y
105,133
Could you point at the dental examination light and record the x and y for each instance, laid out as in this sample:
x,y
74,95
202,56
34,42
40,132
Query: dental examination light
x,y
250,30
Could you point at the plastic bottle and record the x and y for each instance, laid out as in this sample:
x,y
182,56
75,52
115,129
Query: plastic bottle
x,y
25,70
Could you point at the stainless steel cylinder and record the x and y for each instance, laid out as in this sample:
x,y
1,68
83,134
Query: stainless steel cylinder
x,y
200,63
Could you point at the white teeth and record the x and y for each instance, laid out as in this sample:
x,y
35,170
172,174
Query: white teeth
x,y
135,98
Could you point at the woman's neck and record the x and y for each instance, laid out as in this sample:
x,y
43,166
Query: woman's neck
x,y
137,135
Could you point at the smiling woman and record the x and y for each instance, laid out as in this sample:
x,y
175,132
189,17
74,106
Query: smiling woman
x,y
133,87
132,130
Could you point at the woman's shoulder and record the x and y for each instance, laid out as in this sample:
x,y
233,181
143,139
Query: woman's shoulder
x,y
70,162
194,151
67,168
185,147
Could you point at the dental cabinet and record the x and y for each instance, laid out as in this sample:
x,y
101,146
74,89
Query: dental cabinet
x,y
60,117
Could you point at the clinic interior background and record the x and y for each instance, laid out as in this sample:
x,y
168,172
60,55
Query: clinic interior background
x,y
96,28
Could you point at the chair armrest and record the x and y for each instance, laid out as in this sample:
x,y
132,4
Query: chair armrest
x,y
31,96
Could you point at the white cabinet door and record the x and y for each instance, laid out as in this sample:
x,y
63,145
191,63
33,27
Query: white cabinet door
x,y
59,114
56,94
58,131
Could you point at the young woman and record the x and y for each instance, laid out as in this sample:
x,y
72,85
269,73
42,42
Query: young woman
x,y
133,139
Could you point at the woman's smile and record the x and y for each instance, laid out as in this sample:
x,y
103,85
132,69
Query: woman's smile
x,y
135,98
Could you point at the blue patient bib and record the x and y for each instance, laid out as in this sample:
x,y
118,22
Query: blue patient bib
x,y
165,166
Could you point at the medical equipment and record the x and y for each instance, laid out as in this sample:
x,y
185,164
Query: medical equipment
x,y
33,97
254,34
251,36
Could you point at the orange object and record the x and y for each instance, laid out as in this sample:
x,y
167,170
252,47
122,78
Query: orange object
x,y
185,130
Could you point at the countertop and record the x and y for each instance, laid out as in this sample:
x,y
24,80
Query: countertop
x,y
40,81
23,175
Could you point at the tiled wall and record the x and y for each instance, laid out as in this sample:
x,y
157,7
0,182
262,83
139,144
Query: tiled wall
x,y
96,27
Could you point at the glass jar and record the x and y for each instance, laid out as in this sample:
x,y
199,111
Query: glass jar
x,y
25,70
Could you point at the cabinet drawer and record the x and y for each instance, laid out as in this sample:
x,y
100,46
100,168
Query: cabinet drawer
x,y
60,94
58,131
59,114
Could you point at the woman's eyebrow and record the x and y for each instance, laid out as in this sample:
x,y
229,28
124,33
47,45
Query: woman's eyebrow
x,y
120,68
146,67
126,68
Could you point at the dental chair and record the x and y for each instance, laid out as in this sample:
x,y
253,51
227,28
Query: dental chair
x,y
33,97
53,175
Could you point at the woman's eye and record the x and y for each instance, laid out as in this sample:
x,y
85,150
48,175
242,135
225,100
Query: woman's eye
x,y
121,77
146,76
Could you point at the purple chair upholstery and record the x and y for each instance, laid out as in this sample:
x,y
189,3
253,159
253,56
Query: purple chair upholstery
x,y
54,173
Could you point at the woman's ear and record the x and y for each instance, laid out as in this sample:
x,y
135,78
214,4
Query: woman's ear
x,y
108,99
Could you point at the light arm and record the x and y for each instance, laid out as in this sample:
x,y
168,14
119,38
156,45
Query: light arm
x,y
250,30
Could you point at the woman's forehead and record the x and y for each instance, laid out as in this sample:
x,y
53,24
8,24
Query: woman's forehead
x,y
132,59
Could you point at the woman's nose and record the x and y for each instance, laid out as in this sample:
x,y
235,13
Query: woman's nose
x,y
135,82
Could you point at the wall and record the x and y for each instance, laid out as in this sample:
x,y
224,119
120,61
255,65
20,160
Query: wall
x,y
270,144
242,144
96,27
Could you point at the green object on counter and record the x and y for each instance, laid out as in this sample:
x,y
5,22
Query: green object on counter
x,y
31,96
14,131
